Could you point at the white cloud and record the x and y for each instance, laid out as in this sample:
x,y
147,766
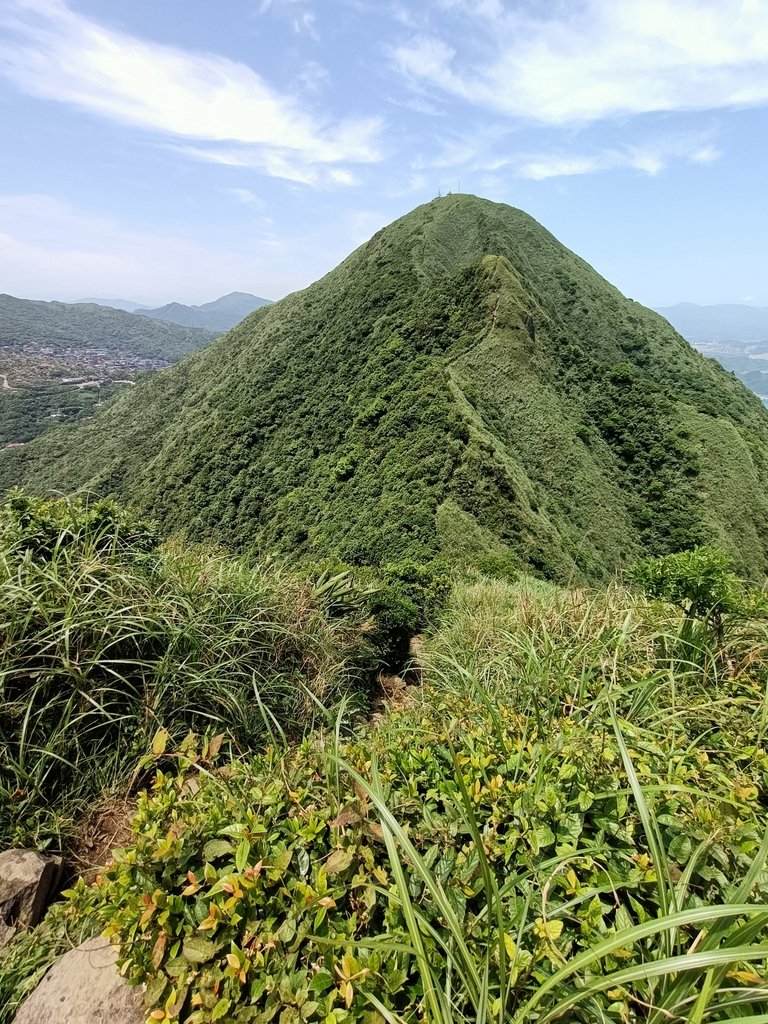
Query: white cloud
x,y
706,155
648,159
245,196
219,105
601,58
51,249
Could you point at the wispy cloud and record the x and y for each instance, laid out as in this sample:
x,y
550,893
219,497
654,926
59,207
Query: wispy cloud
x,y
51,249
648,159
245,196
220,106
599,58
302,18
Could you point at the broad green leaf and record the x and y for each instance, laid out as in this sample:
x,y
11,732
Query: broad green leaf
x,y
216,848
198,950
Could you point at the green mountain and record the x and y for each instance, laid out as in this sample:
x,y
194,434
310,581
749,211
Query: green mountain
x,y
219,315
462,384
66,326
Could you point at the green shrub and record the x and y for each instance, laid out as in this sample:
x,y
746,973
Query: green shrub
x,y
552,831
406,597
498,566
460,853
701,583
43,526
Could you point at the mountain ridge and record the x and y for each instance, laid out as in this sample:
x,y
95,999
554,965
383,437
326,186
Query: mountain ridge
x,y
461,384
82,325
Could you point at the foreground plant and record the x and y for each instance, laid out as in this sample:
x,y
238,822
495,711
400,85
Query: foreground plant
x,y
457,863
106,638
553,830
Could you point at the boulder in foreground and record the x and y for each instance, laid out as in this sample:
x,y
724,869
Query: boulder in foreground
x,y
84,987
26,882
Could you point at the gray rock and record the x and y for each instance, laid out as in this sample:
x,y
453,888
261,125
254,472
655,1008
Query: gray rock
x,y
27,880
84,987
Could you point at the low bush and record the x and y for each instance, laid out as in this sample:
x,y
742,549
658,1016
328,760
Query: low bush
x,y
406,597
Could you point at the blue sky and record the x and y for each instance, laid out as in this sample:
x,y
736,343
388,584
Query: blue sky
x,y
180,149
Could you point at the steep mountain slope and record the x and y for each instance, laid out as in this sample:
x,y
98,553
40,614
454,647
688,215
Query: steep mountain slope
x,y
219,315
462,384
60,326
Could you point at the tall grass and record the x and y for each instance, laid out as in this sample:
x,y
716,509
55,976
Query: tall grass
x,y
566,822
103,644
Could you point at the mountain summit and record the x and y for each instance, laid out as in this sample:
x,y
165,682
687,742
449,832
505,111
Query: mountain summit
x,y
462,384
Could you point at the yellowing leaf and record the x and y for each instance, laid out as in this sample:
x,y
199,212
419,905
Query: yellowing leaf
x,y
339,861
747,977
160,742
550,930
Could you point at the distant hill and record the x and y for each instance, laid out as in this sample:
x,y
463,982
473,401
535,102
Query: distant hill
x,y
125,304
461,385
725,322
219,315
63,326
60,361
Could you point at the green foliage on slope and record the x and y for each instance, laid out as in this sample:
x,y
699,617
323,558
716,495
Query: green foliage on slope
x,y
565,823
460,386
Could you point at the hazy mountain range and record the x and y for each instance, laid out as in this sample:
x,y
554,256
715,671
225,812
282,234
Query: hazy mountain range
x,y
219,315
723,322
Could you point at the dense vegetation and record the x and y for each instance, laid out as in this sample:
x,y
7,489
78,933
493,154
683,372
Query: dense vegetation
x,y
461,385
26,412
107,638
565,822
27,324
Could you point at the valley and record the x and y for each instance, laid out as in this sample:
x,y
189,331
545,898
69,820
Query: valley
x,y
735,335
59,362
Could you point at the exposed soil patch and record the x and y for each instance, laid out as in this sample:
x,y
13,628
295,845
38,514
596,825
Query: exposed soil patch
x,y
104,829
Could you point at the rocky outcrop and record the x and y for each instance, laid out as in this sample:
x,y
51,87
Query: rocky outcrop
x,y
84,987
27,880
